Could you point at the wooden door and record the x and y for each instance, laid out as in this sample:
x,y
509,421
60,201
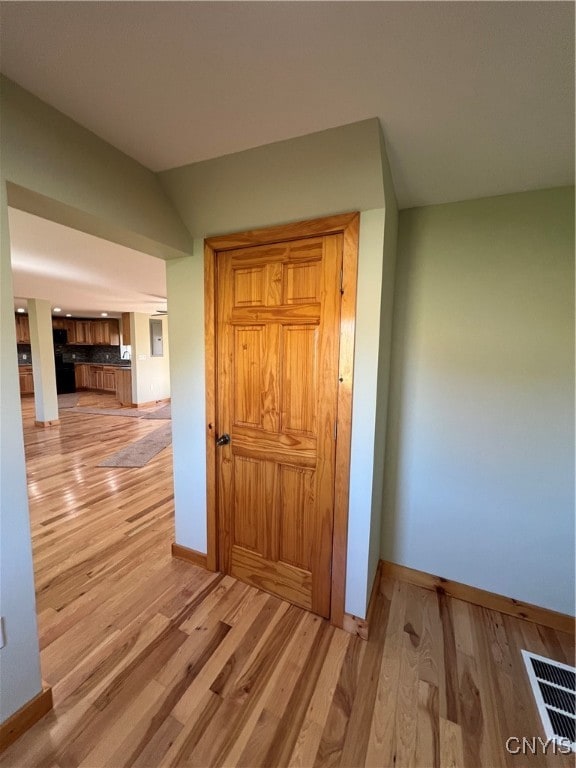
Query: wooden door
x,y
278,324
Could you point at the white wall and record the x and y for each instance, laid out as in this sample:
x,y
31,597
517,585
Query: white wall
x,y
19,659
185,281
364,409
480,460
43,363
150,375
384,360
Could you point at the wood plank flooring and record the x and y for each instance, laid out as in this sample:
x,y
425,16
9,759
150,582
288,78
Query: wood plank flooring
x,y
155,662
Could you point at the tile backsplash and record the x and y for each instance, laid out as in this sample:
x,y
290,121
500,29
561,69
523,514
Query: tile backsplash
x,y
24,349
75,353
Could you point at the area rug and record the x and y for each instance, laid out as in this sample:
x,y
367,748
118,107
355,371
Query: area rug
x,y
68,400
160,413
139,453
131,412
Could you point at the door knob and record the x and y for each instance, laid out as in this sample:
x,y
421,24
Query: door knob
x,y
223,439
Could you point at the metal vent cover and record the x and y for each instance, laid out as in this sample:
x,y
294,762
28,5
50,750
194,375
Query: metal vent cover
x,y
554,688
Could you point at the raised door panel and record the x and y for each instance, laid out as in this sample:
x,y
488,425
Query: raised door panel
x,y
299,365
247,355
296,516
302,283
252,479
249,287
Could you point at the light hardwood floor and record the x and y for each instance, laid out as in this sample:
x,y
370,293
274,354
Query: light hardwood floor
x,y
155,662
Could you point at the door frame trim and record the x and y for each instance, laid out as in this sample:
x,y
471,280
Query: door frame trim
x,y
348,225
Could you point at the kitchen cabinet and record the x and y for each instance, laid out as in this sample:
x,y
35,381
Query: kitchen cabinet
x,y
109,379
105,332
95,333
81,374
96,376
26,379
22,329
83,332
98,335
124,386
126,338
65,324
93,376
70,327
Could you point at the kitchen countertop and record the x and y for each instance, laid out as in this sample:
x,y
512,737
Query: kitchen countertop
x,y
124,366
108,365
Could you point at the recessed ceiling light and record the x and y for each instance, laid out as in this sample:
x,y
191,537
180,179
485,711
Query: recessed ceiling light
x,y
20,309
104,314
57,309
68,314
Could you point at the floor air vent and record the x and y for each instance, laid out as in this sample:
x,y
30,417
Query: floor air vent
x,y
554,688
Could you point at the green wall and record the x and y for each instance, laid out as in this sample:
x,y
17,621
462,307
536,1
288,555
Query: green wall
x,y
63,172
19,659
321,174
54,168
340,170
480,458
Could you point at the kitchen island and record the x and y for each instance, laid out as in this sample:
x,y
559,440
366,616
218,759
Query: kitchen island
x,y
106,377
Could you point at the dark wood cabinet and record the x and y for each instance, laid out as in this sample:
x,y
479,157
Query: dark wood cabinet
x,y
106,333
93,376
83,332
126,338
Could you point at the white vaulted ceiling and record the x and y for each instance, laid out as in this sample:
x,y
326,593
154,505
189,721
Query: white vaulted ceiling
x,y
475,98
82,274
